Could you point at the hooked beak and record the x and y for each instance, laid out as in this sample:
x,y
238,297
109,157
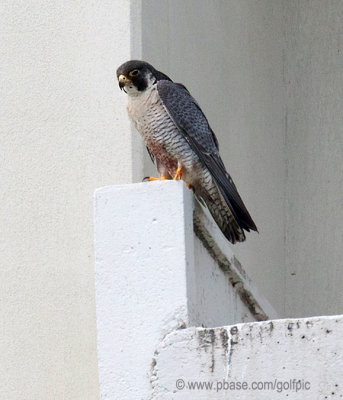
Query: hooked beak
x,y
122,81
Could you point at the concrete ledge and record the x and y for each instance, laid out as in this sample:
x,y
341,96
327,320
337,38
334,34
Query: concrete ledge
x,y
280,359
154,276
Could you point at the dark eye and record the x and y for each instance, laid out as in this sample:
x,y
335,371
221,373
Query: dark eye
x,y
135,72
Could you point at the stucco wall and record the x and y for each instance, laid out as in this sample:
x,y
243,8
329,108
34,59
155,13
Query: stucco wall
x,y
62,121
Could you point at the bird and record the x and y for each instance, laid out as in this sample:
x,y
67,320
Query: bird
x,y
182,144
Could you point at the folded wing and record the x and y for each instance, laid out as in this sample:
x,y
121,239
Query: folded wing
x,y
192,123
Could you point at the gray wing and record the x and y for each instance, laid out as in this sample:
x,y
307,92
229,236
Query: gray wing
x,y
192,123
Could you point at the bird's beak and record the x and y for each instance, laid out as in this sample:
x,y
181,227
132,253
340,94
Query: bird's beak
x,y
122,81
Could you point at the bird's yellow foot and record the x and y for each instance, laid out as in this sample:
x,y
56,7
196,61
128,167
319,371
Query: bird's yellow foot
x,y
178,174
162,178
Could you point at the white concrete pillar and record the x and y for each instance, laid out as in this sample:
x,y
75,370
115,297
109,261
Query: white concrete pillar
x,y
144,242
154,276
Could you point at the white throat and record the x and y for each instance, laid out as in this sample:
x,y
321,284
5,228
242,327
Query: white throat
x,y
132,91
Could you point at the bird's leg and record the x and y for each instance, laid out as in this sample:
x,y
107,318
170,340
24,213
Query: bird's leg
x,y
178,174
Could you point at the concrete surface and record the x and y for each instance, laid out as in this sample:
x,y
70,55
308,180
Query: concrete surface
x,y
150,284
141,283
279,359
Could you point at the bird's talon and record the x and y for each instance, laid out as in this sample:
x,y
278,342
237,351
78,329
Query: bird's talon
x,y
178,174
152,178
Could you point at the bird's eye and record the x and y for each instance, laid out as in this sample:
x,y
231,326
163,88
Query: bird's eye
x,y
135,72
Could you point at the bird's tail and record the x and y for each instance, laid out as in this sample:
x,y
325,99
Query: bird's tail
x,y
222,214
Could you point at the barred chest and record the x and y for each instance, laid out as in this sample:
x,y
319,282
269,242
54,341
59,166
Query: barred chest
x,y
156,127
147,113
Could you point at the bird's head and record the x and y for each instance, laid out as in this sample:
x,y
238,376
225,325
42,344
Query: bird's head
x,y
134,77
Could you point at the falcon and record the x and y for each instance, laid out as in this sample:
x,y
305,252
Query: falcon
x,y
182,144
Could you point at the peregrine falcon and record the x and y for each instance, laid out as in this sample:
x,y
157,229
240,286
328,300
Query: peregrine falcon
x,y
182,144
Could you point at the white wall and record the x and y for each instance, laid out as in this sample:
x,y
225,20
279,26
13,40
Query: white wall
x,y
64,132
314,139
230,56
268,75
